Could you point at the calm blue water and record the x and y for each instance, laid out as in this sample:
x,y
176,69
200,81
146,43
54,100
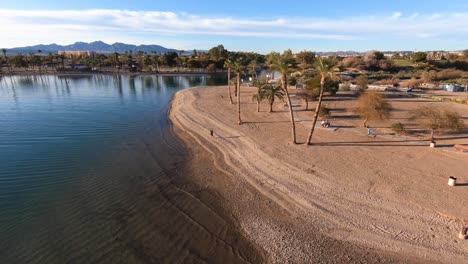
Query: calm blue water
x,y
84,165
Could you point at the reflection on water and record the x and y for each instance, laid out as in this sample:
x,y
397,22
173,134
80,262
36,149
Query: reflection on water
x,y
85,174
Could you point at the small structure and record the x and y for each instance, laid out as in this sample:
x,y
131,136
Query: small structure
x,y
454,88
452,181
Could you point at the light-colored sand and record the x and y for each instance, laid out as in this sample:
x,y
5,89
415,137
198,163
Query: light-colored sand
x,y
385,198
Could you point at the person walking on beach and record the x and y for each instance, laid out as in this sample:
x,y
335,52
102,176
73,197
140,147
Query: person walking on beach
x,y
370,132
211,132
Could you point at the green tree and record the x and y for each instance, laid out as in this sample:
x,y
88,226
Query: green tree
x,y
435,118
270,92
326,68
217,53
314,85
146,61
379,55
305,59
284,63
4,52
19,61
257,97
253,66
169,58
373,106
420,57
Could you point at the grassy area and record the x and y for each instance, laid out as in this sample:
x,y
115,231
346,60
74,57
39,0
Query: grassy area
x,y
403,63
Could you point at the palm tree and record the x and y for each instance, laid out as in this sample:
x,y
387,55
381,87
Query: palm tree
x,y
62,60
4,51
228,64
116,61
39,59
238,68
253,65
326,68
258,96
284,63
270,92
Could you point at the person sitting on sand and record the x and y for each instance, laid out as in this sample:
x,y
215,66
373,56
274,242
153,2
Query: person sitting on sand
x,y
327,123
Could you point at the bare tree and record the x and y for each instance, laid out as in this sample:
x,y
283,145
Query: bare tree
x,y
434,118
373,106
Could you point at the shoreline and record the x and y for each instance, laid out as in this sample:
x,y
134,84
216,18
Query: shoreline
x,y
77,73
292,217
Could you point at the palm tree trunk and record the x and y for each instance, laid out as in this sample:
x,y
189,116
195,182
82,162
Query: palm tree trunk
x,y
258,105
432,135
364,123
271,106
229,85
238,98
291,114
317,110
237,84
307,103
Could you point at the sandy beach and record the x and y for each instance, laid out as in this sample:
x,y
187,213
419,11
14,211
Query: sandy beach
x,y
347,198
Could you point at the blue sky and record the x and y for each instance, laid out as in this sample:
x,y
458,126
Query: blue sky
x,y
261,26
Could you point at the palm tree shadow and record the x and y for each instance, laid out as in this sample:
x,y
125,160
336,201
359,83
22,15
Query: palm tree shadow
x,y
370,145
264,122
383,143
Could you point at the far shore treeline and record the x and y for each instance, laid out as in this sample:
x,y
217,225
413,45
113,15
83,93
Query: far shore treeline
x,y
375,65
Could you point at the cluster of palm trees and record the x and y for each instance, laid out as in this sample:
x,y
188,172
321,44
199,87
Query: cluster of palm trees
x,y
284,64
267,91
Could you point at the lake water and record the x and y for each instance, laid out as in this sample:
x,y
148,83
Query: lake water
x,y
85,173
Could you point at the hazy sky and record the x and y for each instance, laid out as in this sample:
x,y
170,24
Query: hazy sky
x,y
253,25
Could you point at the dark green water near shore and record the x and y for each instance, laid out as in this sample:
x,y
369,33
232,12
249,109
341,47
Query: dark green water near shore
x,y
86,167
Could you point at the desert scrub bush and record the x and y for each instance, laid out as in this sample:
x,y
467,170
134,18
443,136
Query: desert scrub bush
x,y
324,111
345,87
398,128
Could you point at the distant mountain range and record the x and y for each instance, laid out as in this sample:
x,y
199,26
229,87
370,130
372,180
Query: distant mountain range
x,y
97,46
101,47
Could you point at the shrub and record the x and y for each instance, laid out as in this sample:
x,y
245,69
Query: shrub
x,y
324,111
449,74
362,81
398,127
414,83
345,87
